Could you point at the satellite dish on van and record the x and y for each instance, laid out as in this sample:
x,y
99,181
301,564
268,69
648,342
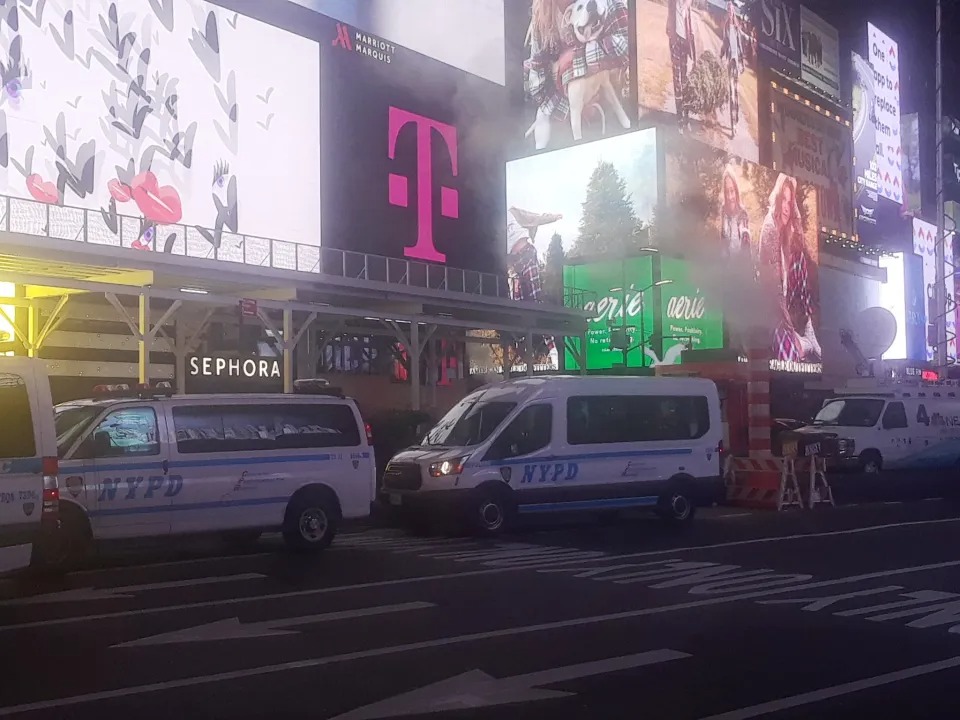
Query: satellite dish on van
x,y
875,330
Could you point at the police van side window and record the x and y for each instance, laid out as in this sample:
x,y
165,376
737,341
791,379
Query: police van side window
x,y
124,433
321,425
599,420
224,428
247,428
527,433
16,440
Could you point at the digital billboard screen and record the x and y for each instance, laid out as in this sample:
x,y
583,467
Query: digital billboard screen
x,y
925,246
778,34
817,149
661,321
568,72
413,159
752,235
161,122
884,59
879,219
597,198
697,64
820,53
466,35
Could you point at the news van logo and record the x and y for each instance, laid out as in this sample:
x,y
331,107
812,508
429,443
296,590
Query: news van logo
x,y
399,189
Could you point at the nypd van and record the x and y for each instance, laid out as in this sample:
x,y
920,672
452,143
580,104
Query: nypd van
x,y
146,463
562,444
28,462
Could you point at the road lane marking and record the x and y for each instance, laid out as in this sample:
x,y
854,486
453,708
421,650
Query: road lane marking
x,y
234,629
126,591
475,688
836,691
447,641
256,598
166,563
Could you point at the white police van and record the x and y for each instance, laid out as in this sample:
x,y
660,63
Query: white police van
x,y
146,463
28,461
559,443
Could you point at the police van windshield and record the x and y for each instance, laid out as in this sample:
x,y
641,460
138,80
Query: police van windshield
x,y
468,423
850,412
70,422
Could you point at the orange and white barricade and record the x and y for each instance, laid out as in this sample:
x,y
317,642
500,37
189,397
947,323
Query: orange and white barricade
x,y
761,483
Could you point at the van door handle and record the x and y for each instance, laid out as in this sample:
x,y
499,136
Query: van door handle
x,y
165,466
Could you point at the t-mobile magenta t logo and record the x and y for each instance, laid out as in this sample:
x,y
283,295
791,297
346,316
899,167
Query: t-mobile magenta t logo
x,y
399,190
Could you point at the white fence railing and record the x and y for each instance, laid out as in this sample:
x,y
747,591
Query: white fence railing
x,y
94,227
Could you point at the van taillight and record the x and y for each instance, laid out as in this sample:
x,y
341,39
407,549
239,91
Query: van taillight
x,y
369,431
51,490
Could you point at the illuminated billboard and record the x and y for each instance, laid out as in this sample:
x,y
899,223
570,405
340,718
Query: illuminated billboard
x,y
884,59
466,35
778,34
597,198
751,234
411,167
815,148
661,320
568,72
160,121
925,245
820,53
879,219
697,63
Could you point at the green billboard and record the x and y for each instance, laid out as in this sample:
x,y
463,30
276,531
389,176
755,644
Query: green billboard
x,y
687,318
665,312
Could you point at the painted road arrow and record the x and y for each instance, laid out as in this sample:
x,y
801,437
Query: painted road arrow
x,y
128,591
233,629
476,689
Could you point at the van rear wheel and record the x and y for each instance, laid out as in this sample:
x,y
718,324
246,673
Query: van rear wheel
x,y
67,547
676,507
311,521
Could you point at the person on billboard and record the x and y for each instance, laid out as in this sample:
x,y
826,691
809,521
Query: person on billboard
x,y
785,272
734,221
732,51
571,41
682,53
523,262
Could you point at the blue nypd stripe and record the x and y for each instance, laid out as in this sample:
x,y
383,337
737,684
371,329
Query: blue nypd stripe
x,y
218,505
590,456
228,462
21,466
578,505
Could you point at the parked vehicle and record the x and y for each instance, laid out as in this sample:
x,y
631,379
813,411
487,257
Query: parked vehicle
x,y
919,429
555,444
143,463
28,461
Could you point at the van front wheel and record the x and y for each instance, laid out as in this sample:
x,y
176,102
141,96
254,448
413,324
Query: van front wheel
x,y
311,522
490,512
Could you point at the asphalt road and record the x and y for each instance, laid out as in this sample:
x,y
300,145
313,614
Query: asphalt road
x,y
834,613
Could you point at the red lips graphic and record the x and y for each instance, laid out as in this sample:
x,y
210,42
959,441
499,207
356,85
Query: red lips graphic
x,y
119,191
160,204
43,190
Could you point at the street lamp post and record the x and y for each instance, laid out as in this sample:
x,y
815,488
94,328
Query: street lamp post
x,y
623,316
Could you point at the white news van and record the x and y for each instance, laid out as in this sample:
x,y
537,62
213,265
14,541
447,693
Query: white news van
x,y
560,444
893,429
153,465
28,461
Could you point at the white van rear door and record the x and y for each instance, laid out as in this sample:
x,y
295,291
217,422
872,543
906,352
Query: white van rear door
x,y
24,401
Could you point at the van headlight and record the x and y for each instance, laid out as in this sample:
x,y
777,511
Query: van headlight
x,y
845,446
446,468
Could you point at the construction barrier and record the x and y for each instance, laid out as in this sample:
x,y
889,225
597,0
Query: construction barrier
x,y
776,483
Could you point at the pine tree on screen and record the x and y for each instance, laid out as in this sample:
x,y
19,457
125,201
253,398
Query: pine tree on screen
x,y
608,222
553,280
